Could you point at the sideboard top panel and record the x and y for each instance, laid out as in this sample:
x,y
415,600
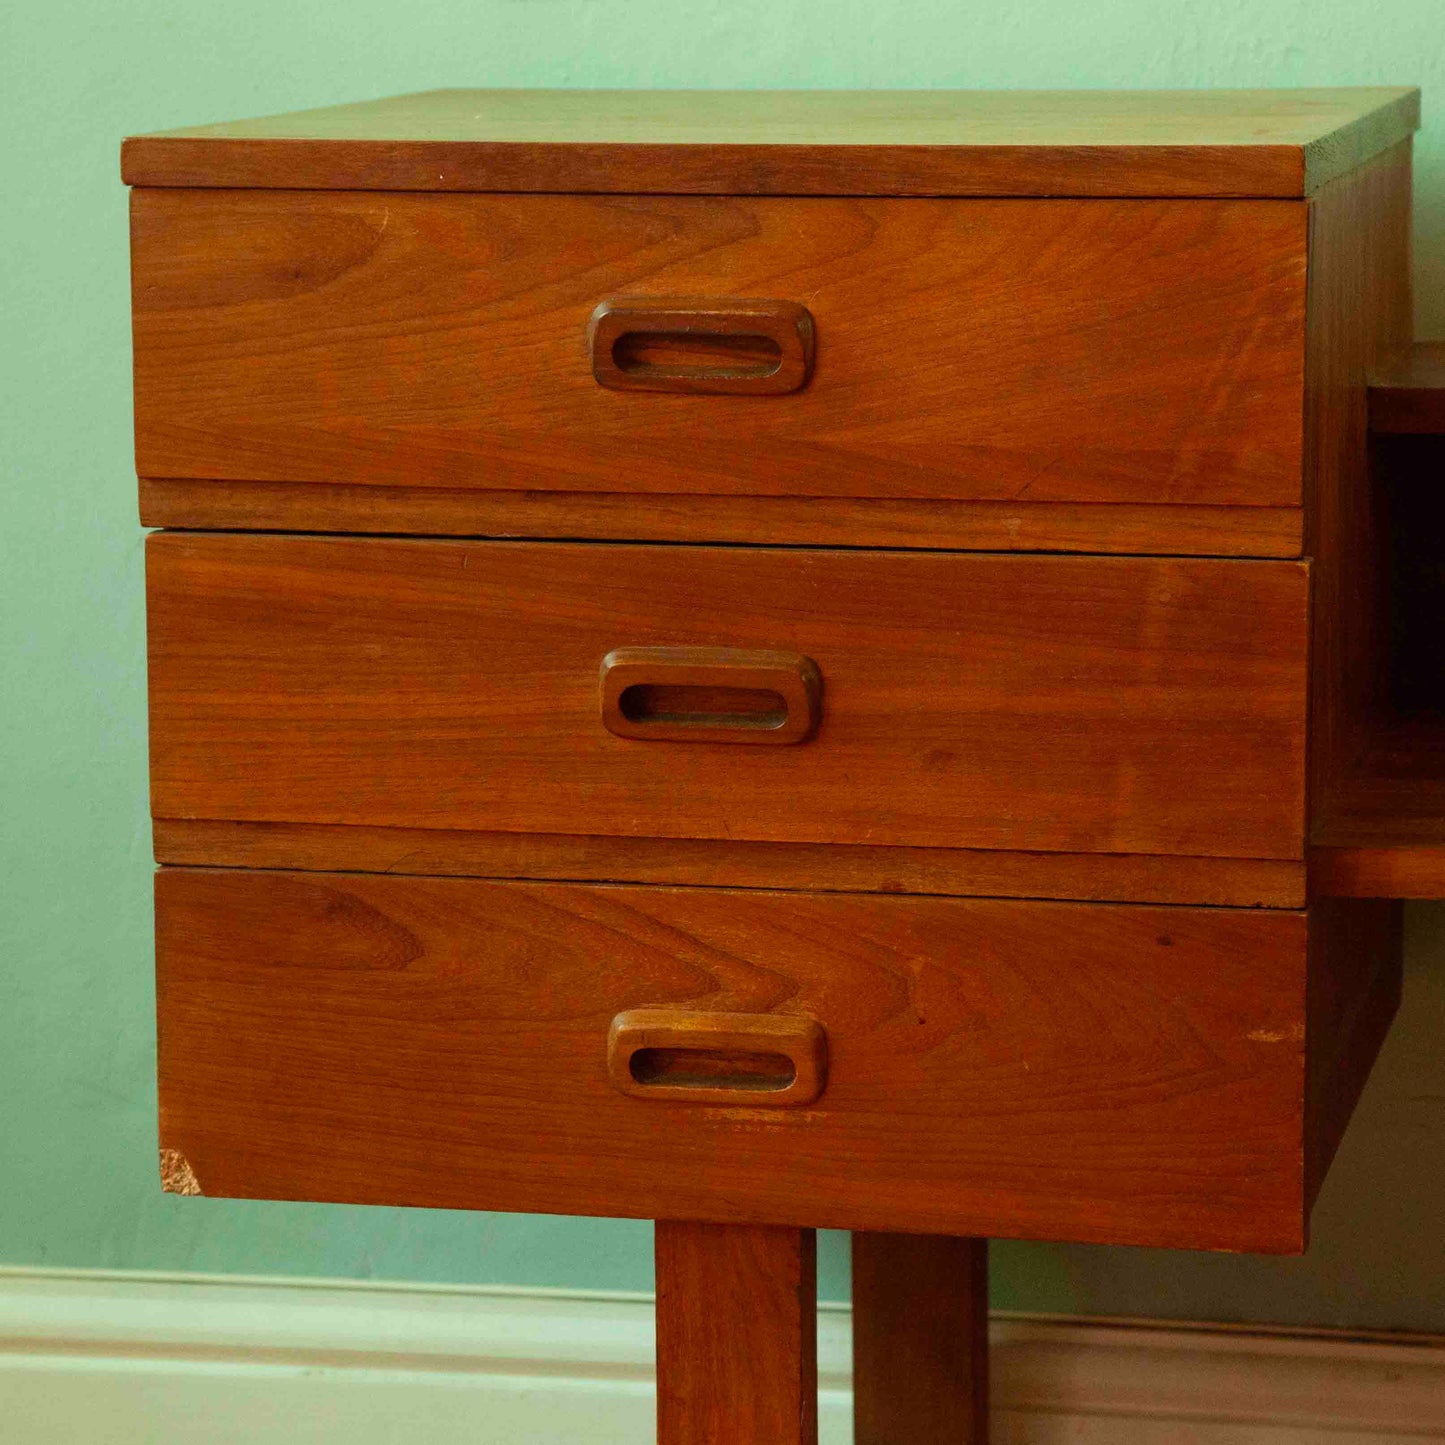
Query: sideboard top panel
x,y
802,142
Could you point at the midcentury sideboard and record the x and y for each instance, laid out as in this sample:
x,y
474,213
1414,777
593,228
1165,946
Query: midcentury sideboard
x,y
777,660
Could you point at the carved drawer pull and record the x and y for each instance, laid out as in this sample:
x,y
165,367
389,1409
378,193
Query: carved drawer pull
x,y
717,1058
701,345
710,694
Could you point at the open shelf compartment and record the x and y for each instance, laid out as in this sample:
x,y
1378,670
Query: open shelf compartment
x,y
1382,833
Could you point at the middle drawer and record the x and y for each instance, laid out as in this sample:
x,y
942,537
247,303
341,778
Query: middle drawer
x,y
1051,703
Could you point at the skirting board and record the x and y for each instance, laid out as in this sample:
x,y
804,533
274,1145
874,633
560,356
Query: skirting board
x,y
123,1358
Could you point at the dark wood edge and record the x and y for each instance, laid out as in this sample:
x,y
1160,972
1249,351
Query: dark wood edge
x,y
737,1334
1098,527
1360,1002
1187,171
1381,871
955,872
920,1339
1407,396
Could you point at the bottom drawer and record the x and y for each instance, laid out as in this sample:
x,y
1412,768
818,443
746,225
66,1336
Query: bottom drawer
x,y
1148,1075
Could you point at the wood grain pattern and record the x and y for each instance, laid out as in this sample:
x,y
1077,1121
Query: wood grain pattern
x,y
920,1340
941,142
1397,869
1097,375
974,701
1061,1071
737,1335
1407,393
1359,314
1139,352
1378,773
989,873
1386,824
1025,526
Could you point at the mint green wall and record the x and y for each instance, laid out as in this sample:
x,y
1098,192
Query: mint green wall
x,y
77,1146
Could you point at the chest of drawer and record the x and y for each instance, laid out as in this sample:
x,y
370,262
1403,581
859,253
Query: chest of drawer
x,y
1147,1075
922,846
964,701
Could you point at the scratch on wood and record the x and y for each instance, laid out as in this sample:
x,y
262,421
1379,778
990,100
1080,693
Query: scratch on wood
x,y
177,1176
1293,1034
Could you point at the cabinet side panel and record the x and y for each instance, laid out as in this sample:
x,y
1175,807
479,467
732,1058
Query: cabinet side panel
x,y
1358,313
1354,991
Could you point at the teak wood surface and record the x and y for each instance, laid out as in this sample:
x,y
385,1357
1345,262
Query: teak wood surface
x,y
1073,704
1058,1071
832,867
1394,868
716,319
920,1340
1407,393
1075,336
739,695
1354,992
1359,317
999,351
737,1335
1378,794
1384,834
702,345
911,142
704,1056
1022,526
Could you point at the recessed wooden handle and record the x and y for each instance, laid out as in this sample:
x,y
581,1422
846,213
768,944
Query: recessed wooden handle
x,y
710,694
717,1058
701,345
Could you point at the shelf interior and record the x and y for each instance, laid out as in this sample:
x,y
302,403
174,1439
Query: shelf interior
x,y
1382,833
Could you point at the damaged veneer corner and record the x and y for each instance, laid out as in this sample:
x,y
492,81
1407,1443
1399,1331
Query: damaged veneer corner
x,y
177,1176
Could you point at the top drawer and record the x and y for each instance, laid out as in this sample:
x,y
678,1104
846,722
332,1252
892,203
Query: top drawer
x,y
987,353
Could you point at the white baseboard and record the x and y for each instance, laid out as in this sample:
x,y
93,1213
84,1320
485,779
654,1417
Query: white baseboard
x,y
108,1358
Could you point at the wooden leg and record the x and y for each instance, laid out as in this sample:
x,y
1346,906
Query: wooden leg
x,y
737,1337
920,1340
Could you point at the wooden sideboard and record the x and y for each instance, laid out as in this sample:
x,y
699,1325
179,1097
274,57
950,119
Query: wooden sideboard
x,y
777,660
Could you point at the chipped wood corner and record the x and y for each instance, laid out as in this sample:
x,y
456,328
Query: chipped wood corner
x,y
177,1176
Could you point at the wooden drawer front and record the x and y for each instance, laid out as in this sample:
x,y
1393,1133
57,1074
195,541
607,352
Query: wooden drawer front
x,y
1069,1071
1115,705
1146,352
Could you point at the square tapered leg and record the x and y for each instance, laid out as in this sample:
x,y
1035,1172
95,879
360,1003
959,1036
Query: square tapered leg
x,y
736,1335
920,1340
